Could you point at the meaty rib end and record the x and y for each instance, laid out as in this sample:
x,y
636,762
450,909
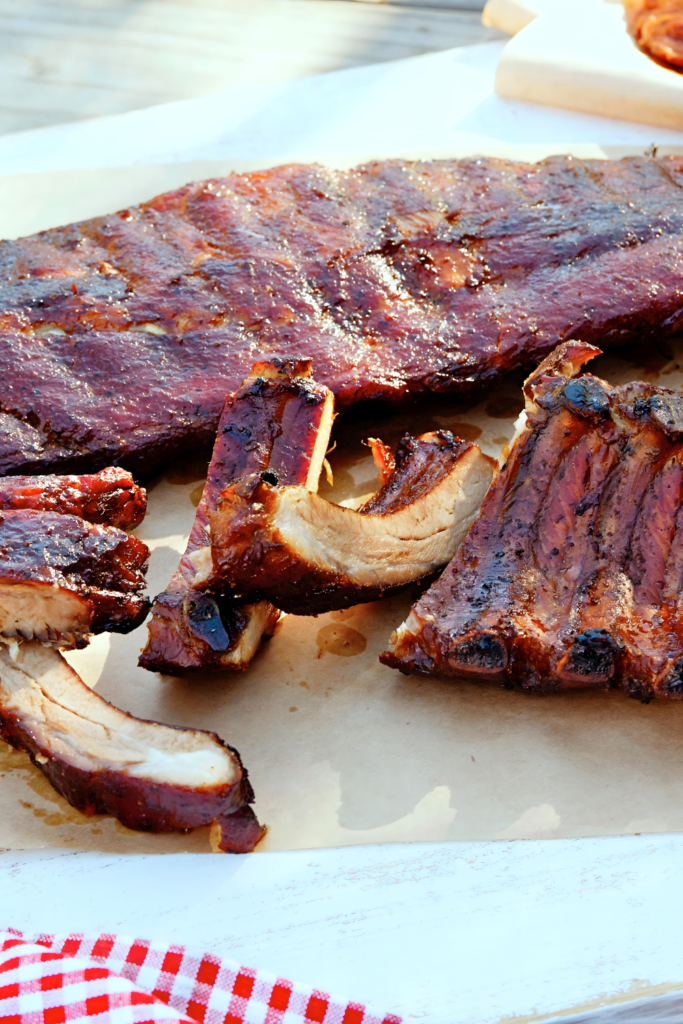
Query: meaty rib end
x,y
62,578
151,777
572,575
308,555
275,427
191,632
110,497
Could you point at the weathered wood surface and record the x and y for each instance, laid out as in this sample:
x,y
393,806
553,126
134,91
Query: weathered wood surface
x,y
440,933
68,60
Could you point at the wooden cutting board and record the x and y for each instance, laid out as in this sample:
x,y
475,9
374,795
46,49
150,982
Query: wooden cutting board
x,y
577,54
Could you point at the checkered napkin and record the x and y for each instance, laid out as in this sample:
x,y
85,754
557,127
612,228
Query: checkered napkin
x,y
52,979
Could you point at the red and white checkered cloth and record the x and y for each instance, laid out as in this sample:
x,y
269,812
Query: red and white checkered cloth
x,y
52,979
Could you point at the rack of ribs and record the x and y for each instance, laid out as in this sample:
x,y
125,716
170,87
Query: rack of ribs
x,y
308,555
152,777
120,336
572,574
276,428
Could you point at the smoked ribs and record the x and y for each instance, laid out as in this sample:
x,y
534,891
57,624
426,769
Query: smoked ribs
x,y
308,555
120,336
152,777
62,578
276,428
110,497
573,574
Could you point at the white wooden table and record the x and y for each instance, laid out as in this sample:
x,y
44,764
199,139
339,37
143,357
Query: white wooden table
x,y
68,60
440,933
443,933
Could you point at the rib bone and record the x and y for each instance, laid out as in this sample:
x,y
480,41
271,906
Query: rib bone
x,y
307,555
276,425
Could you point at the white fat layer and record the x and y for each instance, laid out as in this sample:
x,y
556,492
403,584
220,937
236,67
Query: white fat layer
x,y
262,619
73,723
385,550
201,560
148,329
520,427
43,611
180,767
321,443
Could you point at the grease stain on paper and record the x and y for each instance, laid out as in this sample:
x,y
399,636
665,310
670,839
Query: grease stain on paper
x,y
536,822
315,822
16,761
196,494
345,641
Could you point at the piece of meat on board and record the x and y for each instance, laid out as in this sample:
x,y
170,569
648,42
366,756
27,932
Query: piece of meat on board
x,y
152,777
62,578
120,336
573,574
656,27
109,497
308,555
275,427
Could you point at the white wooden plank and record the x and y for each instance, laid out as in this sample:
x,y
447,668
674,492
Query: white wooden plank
x,y
443,933
74,59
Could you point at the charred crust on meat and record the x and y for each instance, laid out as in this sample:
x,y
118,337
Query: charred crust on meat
x,y
591,658
576,559
672,682
586,397
482,653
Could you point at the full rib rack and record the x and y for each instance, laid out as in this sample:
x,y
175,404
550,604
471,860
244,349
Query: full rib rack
x,y
276,427
152,777
120,336
572,575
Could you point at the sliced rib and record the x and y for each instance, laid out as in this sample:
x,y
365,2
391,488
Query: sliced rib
x,y
120,336
62,578
276,425
572,574
152,777
109,497
307,555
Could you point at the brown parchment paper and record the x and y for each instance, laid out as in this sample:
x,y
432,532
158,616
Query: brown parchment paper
x,y
342,750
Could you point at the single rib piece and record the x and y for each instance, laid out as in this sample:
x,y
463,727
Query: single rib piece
x,y
307,555
656,27
152,777
109,497
572,575
62,579
120,336
276,425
